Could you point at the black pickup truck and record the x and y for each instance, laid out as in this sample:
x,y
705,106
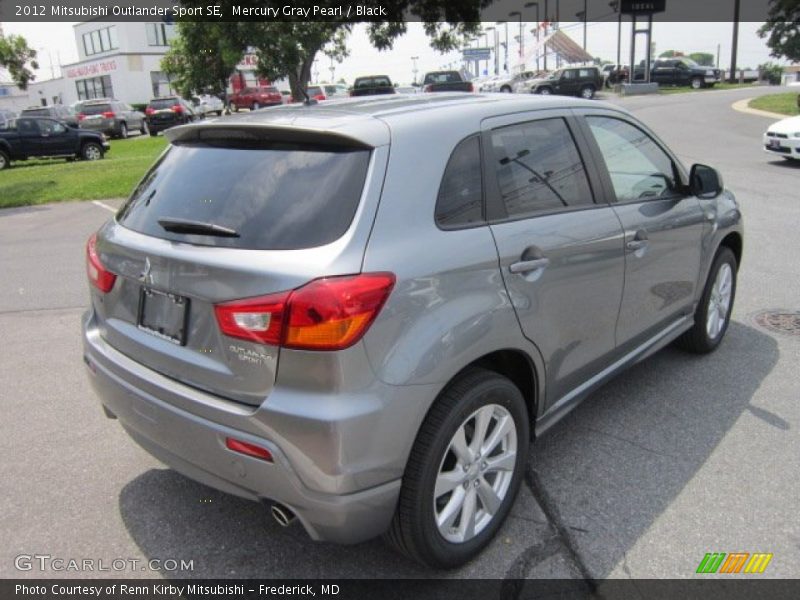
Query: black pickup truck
x,y
372,85
29,137
680,71
446,81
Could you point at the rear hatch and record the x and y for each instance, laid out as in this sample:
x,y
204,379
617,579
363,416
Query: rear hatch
x,y
96,116
219,219
164,110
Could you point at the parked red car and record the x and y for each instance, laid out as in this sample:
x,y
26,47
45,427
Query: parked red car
x,y
255,97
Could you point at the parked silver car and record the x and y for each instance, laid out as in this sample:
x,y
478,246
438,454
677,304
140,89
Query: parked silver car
x,y
362,313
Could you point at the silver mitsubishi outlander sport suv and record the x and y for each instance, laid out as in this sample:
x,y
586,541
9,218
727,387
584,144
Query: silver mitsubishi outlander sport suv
x,y
362,312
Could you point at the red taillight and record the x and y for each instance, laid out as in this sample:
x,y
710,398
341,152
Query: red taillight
x,y
109,114
320,97
470,87
427,88
248,449
149,110
99,276
177,109
332,313
81,116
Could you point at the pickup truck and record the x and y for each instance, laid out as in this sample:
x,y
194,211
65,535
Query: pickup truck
x,y
29,137
372,85
446,81
679,71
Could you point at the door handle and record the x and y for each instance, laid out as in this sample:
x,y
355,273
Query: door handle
x,y
525,266
638,242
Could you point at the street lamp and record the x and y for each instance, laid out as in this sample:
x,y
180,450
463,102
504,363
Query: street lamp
x,y
496,56
505,45
333,71
582,15
516,13
414,60
616,6
529,5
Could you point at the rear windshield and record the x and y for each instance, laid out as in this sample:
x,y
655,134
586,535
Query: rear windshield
x,y
282,197
163,103
443,77
372,82
95,109
36,112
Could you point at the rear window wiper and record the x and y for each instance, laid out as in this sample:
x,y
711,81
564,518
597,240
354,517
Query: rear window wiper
x,y
197,227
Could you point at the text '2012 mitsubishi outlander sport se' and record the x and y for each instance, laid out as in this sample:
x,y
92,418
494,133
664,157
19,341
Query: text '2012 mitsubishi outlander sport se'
x,y
361,312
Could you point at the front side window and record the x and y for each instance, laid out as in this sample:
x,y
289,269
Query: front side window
x,y
539,168
638,167
48,127
461,192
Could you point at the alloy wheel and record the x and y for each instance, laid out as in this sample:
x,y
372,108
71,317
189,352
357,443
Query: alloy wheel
x,y
719,301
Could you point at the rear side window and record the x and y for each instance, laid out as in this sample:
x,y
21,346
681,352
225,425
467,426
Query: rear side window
x,y
539,168
280,197
461,193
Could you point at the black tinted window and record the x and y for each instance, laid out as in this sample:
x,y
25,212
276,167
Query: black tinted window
x,y
370,82
95,109
539,168
282,197
161,103
460,194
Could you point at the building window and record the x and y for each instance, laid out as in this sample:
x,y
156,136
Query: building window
x,y
157,34
100,40
161,84
95,87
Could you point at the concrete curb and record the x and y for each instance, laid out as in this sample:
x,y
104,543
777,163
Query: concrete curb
x,y
742,106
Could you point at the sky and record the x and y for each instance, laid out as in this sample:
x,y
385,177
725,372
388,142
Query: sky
x,y
55,43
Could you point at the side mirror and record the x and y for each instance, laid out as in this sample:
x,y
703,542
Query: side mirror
x,y
705,182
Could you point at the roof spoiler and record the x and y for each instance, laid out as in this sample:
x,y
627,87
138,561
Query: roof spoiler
x,y
255,134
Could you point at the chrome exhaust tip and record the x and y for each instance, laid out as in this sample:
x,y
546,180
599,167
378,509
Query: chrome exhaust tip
x,y
283,515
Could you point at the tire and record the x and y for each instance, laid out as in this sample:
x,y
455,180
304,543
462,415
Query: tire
x,y
123,131
153,133
144,130
704,337
414,530
255,106
91,151
505,89
545,91
587,92
5,161
219,113
697,83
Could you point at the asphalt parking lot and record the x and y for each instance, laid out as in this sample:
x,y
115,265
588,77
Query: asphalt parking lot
x,y
678,457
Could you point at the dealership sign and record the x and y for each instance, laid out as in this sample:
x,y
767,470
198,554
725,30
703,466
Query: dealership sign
x,y
98,68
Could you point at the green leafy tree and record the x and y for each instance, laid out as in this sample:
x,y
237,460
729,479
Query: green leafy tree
x,y
704,59
18,58
782,30
203,56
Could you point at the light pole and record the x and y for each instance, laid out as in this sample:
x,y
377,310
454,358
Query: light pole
x,y
516,13
582,15
616,6
505,45
494,48
333,71
414,60
529,5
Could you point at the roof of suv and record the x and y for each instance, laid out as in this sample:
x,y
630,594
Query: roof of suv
x,y
369,120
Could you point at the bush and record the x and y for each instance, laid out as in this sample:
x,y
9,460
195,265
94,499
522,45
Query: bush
x,y
770,72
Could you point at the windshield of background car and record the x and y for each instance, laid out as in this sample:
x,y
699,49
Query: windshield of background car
x,y
314,90
372,82
277,197
446,77
163,103
95,109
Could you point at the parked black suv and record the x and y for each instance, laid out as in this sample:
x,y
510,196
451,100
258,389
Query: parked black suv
x,y
112,117
54,111
29,137
680,71
571,81
372,85
166,112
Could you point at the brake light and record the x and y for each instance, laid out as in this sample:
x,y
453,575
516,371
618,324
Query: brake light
x,y
149,110
470,87
332,313
109,115
81,116
99,276
177,109
248,449
428,88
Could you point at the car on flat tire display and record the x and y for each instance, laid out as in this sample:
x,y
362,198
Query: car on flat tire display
x,y
368,319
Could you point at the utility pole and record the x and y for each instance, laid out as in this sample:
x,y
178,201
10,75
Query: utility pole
x,y
516,13
582,16
735,43
414,60
494,49
547,23
529,5
505,46
333,71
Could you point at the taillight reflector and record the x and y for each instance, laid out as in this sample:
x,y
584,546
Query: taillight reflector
x,y
149,110
177,109
248,449
99,276
332,313
109,115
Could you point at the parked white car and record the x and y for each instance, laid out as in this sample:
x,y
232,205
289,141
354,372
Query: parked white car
x,y
783,138
207,104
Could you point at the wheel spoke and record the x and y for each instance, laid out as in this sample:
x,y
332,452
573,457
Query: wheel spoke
x,y
500,431
447,517
448,481
489,499
466,526
482,420
502,462
460,448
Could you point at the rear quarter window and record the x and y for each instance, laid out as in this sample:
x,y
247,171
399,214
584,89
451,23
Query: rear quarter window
x,y
279,197
460,200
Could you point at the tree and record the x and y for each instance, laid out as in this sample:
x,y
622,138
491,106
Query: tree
x,y
203,56
18,58
704,59
670,54
288,48
781,29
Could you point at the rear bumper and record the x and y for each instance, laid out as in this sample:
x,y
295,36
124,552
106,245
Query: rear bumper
x,y
788,147
320,470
